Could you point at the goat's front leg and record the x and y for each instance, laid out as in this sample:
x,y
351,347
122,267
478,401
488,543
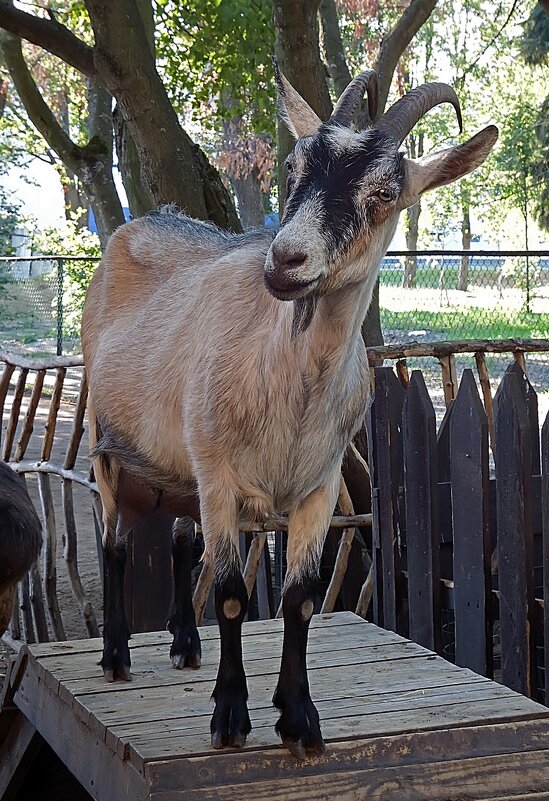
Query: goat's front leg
x,y
185,650
116,653
299,725
230,724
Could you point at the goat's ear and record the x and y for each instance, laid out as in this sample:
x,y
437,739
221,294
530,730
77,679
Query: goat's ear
x,y
296,112
446,166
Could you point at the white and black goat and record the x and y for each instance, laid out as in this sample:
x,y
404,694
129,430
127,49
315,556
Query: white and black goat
x,y
231,369
20,538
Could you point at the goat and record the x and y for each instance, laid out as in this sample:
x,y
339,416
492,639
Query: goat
x,y
231,369
20,538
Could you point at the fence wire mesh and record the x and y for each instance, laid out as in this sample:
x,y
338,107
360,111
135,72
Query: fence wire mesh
x,y
424,296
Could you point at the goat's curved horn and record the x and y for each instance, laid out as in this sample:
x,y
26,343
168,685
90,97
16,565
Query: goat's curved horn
x,y
353,94
399,120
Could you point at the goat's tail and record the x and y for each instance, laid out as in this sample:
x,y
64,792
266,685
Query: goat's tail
x,y
106,473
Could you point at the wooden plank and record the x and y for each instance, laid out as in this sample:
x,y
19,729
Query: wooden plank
x,y
378,752
531,401
267,628
265,648
422,535
186,741
342,719
515,539
471,520
477,778
144,672
545,536
16,755
411,672
96,767
170,707
385,454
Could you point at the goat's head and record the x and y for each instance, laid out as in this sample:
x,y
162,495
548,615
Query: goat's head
x,y
345,189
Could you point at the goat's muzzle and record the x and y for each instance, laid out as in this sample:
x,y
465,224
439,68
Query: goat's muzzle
x,y
287,274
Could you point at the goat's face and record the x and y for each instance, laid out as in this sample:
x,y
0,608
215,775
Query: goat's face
x,y
345,189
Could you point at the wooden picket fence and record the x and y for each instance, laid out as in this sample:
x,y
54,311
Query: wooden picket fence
x,y
458,534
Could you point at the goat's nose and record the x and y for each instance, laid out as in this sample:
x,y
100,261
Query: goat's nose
x,y
285,262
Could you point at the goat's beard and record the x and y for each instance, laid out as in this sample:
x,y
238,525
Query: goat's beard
x,y
304,310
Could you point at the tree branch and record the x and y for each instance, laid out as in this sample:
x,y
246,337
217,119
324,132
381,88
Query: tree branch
x,y
37,109
396,42
333,46
49,34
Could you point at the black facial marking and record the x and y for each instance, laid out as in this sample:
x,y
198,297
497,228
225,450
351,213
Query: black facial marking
x,y
334,176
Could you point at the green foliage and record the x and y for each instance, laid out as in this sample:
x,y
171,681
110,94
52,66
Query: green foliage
x,y
215,56
72,241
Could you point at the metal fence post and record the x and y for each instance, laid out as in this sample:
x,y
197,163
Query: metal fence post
x,y
59,307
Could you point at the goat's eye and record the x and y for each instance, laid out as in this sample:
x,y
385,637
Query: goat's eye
x,y
385,195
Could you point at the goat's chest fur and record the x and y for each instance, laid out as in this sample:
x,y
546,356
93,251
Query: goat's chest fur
x,y
197,374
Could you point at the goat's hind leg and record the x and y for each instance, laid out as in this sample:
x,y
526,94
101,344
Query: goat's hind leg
x,y
116,653
185,650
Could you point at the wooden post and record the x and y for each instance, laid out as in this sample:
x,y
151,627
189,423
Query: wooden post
x,y
385,456
545,534
449,377
422,535
515,539
471,520
484,379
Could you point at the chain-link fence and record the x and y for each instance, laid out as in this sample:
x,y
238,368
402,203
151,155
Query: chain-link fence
x,y
433,295
41,299
424,296
453,295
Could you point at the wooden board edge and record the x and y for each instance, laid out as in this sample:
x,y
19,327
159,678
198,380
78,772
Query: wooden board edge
x,y
436,745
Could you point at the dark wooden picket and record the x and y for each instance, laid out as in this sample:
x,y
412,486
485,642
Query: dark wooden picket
x,y
470,479
455,514
515,539
385,454
422,534
545,536
531,401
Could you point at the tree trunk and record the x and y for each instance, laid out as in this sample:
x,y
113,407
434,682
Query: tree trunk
x,y
249,199
140,199
298,55
333,46
463,278
173,168
412,229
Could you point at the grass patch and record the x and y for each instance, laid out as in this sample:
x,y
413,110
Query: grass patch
x,y
473,323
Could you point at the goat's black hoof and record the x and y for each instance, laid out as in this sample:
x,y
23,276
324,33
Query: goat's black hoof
x,y
299,727
230,724
116,662
186,650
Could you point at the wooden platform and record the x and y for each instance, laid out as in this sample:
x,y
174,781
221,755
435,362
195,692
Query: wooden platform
x,y
400,723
